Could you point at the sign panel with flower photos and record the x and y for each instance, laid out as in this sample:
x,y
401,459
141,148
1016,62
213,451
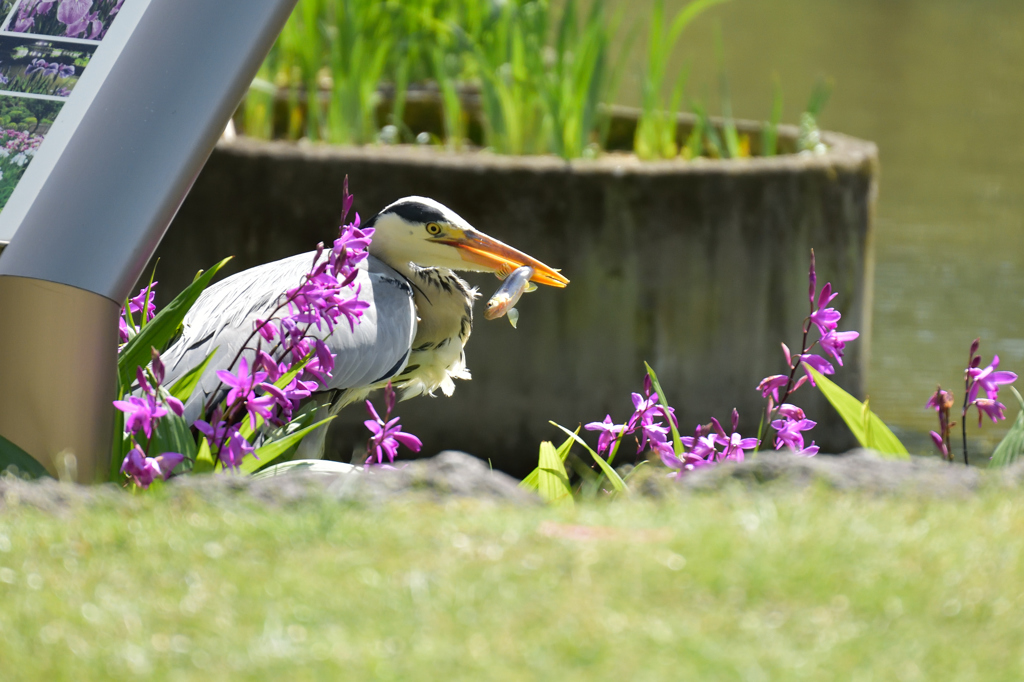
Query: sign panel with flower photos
x,y
45,48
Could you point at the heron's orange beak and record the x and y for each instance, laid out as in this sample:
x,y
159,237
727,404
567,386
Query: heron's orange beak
x,y
476,247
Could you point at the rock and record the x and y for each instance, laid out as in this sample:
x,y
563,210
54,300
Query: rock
x,y
860,470
449,474
51,496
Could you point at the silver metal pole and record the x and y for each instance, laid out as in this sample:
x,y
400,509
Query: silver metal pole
x,y
103,209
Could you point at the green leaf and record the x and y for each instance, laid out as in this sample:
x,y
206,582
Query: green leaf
x,y
552,481
869,430
270,453
204,459
612,475
677,443
162,328
530,482
1012,446
183,387
171,434
13,456
686,15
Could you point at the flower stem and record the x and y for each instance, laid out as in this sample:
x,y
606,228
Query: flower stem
x,y
963,418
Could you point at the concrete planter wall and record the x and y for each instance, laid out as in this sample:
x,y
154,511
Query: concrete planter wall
x,y
697,267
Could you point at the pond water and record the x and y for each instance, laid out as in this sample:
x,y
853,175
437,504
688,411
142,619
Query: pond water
x,y
939,86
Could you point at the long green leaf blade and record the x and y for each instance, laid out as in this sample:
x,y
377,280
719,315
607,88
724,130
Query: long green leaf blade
x,y
1012,445
161,328
271,452
552,481
183,387
13,456
677,443
878,436
612,475
530,482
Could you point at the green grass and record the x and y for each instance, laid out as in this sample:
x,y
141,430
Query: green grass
x,y
815,585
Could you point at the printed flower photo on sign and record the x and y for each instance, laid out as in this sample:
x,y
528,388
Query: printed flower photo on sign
x,y
41,67
24,123
83,19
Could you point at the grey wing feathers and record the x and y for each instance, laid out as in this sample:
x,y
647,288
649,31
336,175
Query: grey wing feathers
x,y
224,315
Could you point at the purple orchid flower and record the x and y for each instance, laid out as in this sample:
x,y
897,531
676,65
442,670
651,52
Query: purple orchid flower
x,y
387,434
789,432
791,412
654,434
825,319
989,380
772,384
262,406
609,433
235,449
267,329
241,384
215,434
834,343
701,446
140,413
144,470
682,465
386,437
993,409
810,451
817,362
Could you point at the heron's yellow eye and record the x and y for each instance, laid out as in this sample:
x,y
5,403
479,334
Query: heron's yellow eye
x,y
433,228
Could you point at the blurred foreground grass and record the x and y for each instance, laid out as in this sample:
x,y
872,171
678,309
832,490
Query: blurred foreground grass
x,y
726,586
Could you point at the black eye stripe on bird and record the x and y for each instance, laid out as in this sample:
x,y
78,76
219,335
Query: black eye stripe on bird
x,y
404,337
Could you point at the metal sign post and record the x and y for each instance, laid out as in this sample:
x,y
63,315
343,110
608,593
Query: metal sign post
x,y
141,90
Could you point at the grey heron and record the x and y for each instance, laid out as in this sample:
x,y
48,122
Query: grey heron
x,y
413,334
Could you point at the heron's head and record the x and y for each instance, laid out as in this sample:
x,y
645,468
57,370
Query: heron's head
x,y
422,231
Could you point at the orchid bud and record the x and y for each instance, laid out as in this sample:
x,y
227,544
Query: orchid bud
x,y
158,367
735,419
975,362
826,294
647,385
789,359
975,345
799,382
140,376
718,427
389,398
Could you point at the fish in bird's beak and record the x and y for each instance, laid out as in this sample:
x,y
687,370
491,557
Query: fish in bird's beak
x,y
476,247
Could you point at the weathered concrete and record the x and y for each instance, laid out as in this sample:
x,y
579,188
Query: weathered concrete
x,y
697,267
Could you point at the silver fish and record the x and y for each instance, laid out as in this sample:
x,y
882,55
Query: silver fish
x,y
503,300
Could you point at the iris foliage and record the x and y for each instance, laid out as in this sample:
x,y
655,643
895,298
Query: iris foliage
x,y
516,77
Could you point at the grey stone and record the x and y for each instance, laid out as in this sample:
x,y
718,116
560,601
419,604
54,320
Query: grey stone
x,y
857,470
